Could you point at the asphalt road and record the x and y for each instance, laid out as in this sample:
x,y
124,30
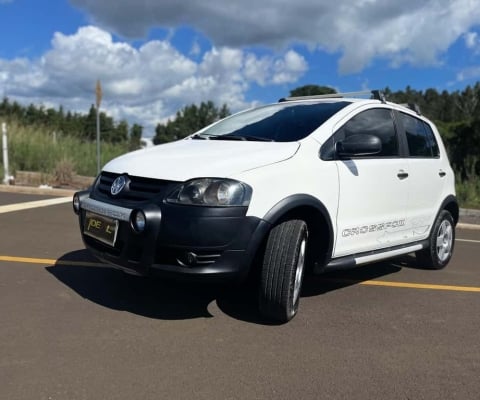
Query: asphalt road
x,y
72,329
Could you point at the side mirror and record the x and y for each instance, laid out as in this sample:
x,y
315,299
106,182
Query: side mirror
x,y
359,145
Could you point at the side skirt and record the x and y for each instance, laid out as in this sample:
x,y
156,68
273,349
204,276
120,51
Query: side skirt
x,y
355,260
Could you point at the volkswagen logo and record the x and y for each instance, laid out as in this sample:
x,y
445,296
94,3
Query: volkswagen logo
x,y
118,185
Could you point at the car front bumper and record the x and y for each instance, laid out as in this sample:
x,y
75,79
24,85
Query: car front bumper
x,y
217,243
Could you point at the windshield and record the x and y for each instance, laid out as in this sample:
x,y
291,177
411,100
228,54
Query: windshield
x,y
282,122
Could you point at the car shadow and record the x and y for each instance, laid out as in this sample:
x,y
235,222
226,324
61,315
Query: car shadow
x,y
315,285
111,288
171,300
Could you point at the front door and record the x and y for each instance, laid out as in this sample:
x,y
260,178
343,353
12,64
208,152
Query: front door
x,y
373,190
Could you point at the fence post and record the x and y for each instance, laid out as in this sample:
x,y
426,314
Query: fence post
x,y
6,179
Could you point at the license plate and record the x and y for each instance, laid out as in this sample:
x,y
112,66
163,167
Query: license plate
x,y
101,228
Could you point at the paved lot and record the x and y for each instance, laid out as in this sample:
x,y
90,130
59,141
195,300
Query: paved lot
x,y
71,329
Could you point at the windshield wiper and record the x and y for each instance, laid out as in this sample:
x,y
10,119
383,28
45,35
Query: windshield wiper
x,y
200,136
240,137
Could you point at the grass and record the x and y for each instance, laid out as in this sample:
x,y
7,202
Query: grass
x,y
37,149
468,193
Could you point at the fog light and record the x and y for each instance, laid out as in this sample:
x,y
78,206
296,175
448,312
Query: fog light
x,y
76,203
191,258
187,259
138,221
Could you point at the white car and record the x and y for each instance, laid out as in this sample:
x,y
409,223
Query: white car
x,y
319,183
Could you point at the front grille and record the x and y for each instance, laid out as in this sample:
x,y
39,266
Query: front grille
x,y
138,189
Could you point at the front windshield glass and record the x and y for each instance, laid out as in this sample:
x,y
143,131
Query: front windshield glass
x,y
282,122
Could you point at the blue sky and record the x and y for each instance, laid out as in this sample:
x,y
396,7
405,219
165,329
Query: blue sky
x,y
156,56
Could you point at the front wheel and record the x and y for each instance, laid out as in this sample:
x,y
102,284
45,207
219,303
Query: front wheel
x,y
441,242
282,270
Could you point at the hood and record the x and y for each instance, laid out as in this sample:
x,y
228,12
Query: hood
x,y
190,158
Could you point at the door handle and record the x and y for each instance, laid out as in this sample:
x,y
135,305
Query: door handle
x,y
442,173
402,174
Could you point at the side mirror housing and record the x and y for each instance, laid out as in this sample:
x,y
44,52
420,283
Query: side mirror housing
x,y
359,145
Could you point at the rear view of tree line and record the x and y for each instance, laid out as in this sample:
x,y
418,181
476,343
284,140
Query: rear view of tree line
x,y
82,126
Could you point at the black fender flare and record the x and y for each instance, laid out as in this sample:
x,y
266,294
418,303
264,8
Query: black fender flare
x,y
290,203
447,204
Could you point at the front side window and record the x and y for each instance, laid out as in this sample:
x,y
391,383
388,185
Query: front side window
x,y
420,138
377,122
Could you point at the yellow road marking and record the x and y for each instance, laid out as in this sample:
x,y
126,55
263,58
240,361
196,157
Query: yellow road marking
x,y
51,261
34,204
422,286
47,261
408,285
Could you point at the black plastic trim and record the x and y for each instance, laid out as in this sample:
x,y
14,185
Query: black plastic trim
x,y
348,262
224,236
292,202
450,200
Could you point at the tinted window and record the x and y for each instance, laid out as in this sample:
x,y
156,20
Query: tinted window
x,y
432,140
420,138
283,122
377,122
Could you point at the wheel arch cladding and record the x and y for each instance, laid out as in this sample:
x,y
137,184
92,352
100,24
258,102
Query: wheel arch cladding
x,y
451,205
315,214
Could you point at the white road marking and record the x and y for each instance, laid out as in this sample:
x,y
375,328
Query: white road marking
x,y
467,240
34,204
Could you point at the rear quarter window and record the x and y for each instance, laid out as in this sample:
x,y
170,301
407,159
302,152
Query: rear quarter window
x,y
420,138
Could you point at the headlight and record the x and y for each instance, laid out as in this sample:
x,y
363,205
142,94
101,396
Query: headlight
x,y
212,192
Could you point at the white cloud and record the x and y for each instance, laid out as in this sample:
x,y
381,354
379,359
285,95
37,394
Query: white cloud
x,y
410,31
195,49
6,1
144,85
470,73
289,68
471,39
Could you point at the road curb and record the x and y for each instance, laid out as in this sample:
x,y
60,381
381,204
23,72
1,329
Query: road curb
x,y
37,190
468,226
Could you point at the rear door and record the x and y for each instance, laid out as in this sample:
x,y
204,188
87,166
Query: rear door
x,y
427,175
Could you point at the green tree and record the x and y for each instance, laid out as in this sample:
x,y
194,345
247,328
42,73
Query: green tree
x,y
119,133
311,90
135,136
90,124
189,120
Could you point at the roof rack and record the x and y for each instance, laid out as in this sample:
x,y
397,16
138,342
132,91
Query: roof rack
x,y
376,94
412,106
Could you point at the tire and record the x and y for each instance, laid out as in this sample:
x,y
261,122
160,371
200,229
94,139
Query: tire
x,y
283,270
441,243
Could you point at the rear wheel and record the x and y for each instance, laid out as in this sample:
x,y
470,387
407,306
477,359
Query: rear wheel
x,y
441,242
283,270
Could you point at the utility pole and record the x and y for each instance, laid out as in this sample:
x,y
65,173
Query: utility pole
x,y
98,93
6,179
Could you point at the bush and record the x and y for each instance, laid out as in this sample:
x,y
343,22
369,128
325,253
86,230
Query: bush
x,y
468,193
63,172
38,149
